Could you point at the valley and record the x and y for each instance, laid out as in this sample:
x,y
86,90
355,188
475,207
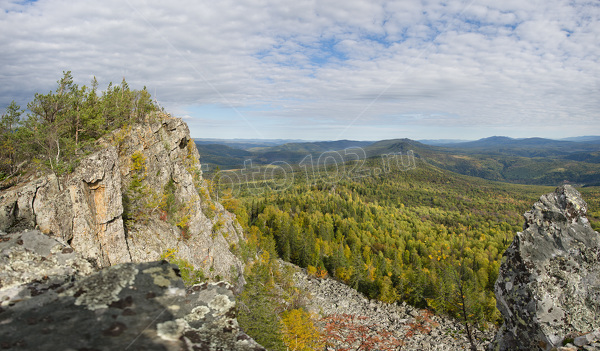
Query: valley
x,y
397,228
525,161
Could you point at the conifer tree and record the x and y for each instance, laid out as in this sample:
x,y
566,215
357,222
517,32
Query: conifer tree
x,y
9,143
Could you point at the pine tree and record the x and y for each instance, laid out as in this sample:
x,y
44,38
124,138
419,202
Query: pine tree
x,y
9,144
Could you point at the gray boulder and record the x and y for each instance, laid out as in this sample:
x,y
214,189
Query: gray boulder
x,y
126,307
548,288
31,263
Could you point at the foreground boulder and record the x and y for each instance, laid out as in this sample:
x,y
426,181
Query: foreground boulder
x,y
548,289
31,263
125,307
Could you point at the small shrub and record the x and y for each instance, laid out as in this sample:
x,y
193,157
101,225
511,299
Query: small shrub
x,y
189,274
208,208
217,226
135,197
185,233
169,202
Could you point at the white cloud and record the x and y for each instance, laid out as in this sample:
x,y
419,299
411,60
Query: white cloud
x,y
488,64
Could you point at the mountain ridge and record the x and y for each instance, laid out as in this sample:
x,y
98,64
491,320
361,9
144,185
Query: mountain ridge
x,y
526,161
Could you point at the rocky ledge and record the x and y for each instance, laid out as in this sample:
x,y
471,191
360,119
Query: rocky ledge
x,y
548,288
51,300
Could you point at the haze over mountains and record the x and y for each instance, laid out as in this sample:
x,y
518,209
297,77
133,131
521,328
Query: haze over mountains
x,y
490,141
526,161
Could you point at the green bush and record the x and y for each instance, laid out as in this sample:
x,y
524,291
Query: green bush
x,y
189,274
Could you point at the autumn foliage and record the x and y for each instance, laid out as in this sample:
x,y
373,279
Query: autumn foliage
x,y
347,332
319,272
299,332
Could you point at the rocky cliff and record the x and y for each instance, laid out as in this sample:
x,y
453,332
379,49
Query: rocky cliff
x,y
84,210
139,197
548,289
51,300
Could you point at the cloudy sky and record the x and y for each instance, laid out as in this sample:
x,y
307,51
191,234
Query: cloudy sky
x,y
324,69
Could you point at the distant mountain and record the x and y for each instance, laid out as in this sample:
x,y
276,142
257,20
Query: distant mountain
x,y
221,150
232,154
527,147
526,161
316,146
496,141
397,146
296,152
502,141
246,143
221,155
485,142
437,142
587,138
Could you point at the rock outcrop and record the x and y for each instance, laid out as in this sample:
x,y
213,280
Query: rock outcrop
x,y
204,232
127,306
86,209
31,263
548,289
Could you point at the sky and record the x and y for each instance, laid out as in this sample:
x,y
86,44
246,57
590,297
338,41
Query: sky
x,y
323,69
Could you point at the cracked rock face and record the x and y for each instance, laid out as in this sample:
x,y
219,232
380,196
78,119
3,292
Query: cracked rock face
x,y
548,288
86,210
171,156
127,306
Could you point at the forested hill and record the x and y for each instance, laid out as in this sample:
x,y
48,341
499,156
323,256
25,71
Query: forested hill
x,y
525,161
398,235
537,165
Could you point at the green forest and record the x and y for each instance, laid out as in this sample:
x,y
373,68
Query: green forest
x,y
426,236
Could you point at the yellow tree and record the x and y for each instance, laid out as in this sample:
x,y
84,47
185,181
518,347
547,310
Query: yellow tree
x,y
299,332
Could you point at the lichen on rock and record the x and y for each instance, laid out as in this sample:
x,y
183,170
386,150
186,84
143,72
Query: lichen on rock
x,y
103,288
548,288
122,307
32,263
